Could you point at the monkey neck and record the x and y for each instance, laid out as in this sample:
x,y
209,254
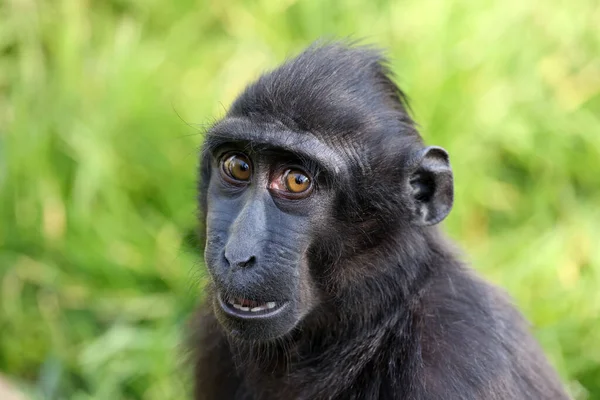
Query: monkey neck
x,y
392,272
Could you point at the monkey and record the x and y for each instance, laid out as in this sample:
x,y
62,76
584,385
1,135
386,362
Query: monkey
x,y
329,275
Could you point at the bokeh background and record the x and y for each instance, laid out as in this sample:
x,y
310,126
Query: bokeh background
x,y
102,109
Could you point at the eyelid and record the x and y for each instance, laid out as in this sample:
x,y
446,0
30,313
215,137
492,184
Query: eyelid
x,y
223,149
283,168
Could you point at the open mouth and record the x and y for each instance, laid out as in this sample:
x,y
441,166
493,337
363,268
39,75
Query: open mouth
x,y
246,308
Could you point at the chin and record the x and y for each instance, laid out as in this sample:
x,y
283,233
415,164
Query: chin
x,y
253,320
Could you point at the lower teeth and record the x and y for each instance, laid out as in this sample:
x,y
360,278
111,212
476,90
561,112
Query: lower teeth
x,y
267,306
241,307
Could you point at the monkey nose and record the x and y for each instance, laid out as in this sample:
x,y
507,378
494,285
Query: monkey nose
x,y
240,261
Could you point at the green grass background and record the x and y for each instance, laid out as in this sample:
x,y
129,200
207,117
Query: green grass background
x,y
102,105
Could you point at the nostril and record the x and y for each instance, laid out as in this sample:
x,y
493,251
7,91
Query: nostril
x,y
249,263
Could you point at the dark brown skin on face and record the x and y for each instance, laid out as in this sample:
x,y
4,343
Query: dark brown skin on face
x,y
329,276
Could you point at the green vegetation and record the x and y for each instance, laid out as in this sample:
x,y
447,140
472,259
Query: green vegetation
x,y
102,105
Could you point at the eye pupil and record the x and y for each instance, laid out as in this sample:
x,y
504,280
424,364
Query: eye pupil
x,y
239,167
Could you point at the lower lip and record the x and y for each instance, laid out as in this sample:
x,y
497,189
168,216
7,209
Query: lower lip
x,y
269,313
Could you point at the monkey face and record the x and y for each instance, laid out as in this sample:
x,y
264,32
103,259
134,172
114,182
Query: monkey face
x,y
283,210
263,205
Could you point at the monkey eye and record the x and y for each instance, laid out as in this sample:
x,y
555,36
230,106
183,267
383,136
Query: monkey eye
x,y
236,168
293,183
296,181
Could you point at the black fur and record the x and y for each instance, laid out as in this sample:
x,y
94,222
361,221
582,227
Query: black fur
x,y
387,310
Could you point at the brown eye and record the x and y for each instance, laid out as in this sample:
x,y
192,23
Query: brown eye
x,y
237,167
296,181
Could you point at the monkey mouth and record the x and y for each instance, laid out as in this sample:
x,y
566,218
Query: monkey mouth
x,y
245,308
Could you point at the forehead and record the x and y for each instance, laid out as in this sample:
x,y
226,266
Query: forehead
x,y
276,136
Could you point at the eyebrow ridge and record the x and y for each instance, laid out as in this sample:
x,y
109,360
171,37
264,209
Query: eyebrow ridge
x,y
234,129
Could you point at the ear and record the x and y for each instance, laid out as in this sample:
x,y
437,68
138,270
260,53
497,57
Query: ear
x,y
431,186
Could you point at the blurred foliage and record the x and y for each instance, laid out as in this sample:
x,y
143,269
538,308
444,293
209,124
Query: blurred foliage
x,y
102,105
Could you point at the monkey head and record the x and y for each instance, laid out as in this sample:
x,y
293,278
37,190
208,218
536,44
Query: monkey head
x,y
315,169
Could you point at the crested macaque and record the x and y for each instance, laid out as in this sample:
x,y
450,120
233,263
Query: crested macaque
x,y
329,275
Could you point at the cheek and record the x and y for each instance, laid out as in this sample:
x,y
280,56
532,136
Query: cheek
x,y
219,218
308,289
213,248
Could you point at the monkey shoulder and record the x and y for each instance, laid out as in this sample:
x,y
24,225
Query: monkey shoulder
x,y
472,343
